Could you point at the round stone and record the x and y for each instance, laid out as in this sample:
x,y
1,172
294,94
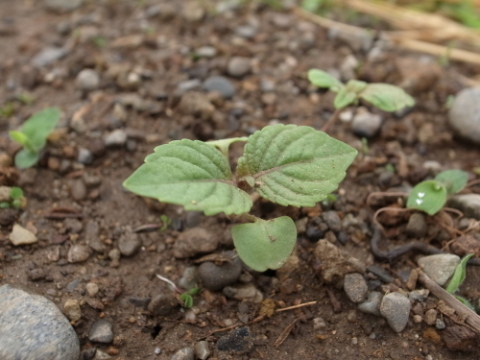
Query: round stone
x,y
464,115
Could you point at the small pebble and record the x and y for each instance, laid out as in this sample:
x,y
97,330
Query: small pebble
x,y
221,85
440,324
78,190
238,66
469,204
101,332
332,220
439,267
239,340
21,236
417,225
78,253
418,295
206,52
117,137
366,124
464,115
162,304
355,287
84,156
129,243
372,304
183,354
194,242
395,307
202,350
87,80
72,310
244,292
215,277
417,319
48,56
430,316
62,5
92,289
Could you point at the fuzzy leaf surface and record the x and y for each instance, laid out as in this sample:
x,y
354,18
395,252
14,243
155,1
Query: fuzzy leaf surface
x,y
294,165
454,180
428,196
459,275
265,244
39,126
387,97
344,98
323,79
192,174
26,158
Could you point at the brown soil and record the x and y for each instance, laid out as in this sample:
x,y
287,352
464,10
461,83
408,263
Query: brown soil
x,y
281,53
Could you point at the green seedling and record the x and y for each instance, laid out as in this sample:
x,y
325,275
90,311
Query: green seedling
x,y
166,221
458,278
430,196
186,297
285,164
16,201
385,97
33,136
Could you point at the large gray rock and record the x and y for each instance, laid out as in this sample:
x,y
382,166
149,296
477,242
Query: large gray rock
x,y
33,328
464,116
439,267
395,307
469,204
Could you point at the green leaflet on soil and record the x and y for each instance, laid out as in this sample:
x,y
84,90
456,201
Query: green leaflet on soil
x,y
39,126
386,97
428,196
192,174
459,275
265,244
344,98
294,165
25,159
454,180
323,79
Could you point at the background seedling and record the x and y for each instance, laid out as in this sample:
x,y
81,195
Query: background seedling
x,y
186,297
386,97
33,136
286,164
16,201
458,278
430,196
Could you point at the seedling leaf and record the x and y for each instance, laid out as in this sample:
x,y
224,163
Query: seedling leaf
x,y
454,180
25,159
323,79
464,302
428,196
459,275
344,98
265,244
19,137
387,97
192,174
39,126
187,300
295,165
16,193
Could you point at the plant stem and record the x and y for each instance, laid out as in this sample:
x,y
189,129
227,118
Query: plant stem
x,y
331,120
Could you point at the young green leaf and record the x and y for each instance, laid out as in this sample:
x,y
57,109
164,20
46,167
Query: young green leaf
x,y
193,291
454,180
25,159
459,275
187,300
265,244
294,165
192,174
344,98
429,196
323,79
464,302
387,97
4,205
16,193
19,137
39,126
224,144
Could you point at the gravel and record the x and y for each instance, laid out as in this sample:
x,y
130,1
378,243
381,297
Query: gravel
x,y
202,350
372,304
355,287
215,277
183,354
116,138
395,308
78,253
129,243
21,236
464,115
221,85
439,267
163,304
366,124
239,340
33,328
72,310
48,56
239,66
87,80
101,332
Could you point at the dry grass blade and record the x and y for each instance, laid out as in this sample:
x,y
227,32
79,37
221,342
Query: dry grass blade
x,y
283,336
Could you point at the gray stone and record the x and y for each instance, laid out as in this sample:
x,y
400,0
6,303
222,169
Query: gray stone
x,y
439,267
88,80
239,66
469,204
202,350
243,292
117,137
193,242
246,31
48,56
188,85
219,84
355,287
366,124
372,304
84,156
21,236
196,104
206,52
464,115
418,295
417,225
163,304
183,354
101,332
395,308
431,316
78,190
215,277
333,221
239,340
129,243
33,328
78,253
72,310
62,5
92,236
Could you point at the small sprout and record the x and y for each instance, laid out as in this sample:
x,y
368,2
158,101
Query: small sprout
x,y
457,279
166,221
33,136
275,163
16,199
431,196
186,297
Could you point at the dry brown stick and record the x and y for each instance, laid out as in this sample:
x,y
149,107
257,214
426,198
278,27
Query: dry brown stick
x,y
283,336
471,318
296,306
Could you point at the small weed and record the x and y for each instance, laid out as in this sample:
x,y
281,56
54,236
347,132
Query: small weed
x,y
16,201
33,136
458,278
